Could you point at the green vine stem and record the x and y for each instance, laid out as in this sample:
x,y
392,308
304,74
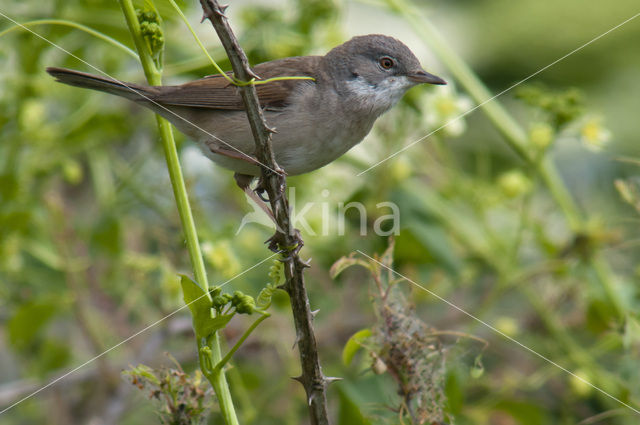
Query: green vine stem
x,y
210,345
241,340
513,133
232,80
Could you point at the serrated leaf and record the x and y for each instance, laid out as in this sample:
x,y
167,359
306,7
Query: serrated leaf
x,y
353,345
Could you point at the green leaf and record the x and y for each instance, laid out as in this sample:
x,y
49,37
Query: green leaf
x,y
143,371
353,345
349,412
14,221
107,236
454,390
28,321
600,316
526,413
51,355
437,241
9,187
198,301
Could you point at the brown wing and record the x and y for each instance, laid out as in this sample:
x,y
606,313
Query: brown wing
x,y
216,92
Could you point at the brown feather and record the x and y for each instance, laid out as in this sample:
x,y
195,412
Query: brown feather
x,y
215,91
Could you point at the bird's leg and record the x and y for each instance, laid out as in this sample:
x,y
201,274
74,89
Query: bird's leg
x,y
261,189
244,182
275,245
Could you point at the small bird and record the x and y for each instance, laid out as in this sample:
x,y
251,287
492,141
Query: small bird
x,y
316,120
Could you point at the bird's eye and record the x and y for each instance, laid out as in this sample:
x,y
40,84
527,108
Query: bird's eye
x,y
386,62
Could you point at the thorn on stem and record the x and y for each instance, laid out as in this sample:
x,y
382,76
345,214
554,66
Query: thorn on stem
x,y
332,379
220,11
296,341
311,397
305,264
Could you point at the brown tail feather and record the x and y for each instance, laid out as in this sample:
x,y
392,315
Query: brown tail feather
x,y
119,88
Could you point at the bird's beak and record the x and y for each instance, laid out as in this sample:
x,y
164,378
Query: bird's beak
x,y
422,76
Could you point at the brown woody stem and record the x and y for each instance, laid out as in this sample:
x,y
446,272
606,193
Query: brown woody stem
x,y
286,239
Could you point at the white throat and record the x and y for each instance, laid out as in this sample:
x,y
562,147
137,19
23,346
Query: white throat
x,y
381,97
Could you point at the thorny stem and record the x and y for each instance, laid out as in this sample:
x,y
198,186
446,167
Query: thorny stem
x,y
288,239
154,78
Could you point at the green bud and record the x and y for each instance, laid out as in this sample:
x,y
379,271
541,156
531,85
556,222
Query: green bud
x,y
244,304
218,302
514,183
237,298
152,33
541,135
72,171
247,305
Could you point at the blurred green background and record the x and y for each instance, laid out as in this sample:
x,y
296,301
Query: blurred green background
x,y
90,241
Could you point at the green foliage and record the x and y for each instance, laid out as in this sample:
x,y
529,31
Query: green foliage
x,y
349,413
28,321
90,242
200,304
354,344
561,107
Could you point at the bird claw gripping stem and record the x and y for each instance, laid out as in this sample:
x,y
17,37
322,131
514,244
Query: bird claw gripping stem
x,y
276,244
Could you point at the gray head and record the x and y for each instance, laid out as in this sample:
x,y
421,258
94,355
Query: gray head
x,y
376,68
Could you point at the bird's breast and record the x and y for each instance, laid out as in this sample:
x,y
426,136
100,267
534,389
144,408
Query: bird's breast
x,y
308,140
